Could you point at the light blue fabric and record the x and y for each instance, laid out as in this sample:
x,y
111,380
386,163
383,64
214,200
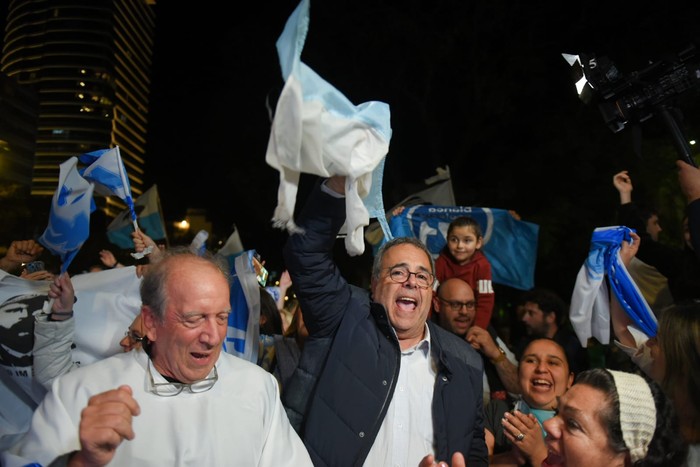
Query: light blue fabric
x,y
589,312
149,217
243,332
289,47
609,241
540,414
69,217
374,202
199,243
509,244
106,170
319,131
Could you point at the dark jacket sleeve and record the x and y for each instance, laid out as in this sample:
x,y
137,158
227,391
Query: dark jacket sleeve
x,y
693,212
322,292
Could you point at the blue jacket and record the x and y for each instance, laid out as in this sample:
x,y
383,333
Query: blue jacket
x,y
347,373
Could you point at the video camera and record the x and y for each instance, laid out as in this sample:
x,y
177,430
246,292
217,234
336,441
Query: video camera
x,y
636,97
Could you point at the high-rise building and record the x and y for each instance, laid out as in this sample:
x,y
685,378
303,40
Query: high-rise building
x,y
89,62
18,122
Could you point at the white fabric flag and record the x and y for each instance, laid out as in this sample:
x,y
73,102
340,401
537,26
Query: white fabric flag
x,y
317,130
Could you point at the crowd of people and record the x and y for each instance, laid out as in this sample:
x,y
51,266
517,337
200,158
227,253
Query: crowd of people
x,y
410,371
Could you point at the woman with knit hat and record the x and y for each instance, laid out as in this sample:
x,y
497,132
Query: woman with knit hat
x,y
613,418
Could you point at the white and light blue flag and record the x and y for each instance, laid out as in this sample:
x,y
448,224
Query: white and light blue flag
x,y
243,333
198,245
105,169
590,304
232,248
150,220
509,244
69,217
317,130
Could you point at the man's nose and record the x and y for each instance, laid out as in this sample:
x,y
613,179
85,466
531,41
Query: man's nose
x,y
210,332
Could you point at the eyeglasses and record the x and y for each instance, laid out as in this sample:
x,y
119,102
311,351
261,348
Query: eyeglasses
x,y
173,389
400,274
134,337
456,306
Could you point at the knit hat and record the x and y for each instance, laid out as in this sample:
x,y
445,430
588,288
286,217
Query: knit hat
x,y
637,412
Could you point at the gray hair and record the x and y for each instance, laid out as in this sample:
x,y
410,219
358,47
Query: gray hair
x,y
154,284
377,264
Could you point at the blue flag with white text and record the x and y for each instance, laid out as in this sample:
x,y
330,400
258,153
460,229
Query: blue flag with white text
x,y
69,217
509,244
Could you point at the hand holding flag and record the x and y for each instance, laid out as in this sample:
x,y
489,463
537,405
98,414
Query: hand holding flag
x,y
150,221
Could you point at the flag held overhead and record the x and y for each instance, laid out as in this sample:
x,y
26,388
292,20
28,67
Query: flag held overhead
x,y
69,217
317,130
106,170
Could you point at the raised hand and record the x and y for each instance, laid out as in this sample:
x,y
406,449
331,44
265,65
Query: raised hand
x,y
104,424
20,251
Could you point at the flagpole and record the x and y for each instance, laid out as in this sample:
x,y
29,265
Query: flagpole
x,y
124,177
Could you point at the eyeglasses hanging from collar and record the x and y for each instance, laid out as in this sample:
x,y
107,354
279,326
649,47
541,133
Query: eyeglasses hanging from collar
x,y
169,389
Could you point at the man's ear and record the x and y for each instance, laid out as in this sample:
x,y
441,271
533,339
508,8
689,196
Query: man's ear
x,y
150,322
436,303
550,318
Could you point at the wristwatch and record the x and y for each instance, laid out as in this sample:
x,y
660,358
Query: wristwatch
x,y
500,358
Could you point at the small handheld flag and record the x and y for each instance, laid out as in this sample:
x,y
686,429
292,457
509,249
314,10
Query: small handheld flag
x,y
69,219
106,170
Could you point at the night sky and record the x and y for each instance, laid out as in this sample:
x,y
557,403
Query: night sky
x,y
478,86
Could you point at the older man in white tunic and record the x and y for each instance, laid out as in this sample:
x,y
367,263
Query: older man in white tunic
x,y
180,401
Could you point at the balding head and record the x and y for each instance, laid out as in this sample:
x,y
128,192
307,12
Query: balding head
x,y
455,306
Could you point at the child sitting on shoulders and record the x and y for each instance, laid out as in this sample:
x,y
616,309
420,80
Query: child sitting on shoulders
x,y
461,257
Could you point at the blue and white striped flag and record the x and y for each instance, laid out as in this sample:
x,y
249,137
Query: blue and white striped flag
x,y
317,130
509,244
243,334
69,219
106,170
590,304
